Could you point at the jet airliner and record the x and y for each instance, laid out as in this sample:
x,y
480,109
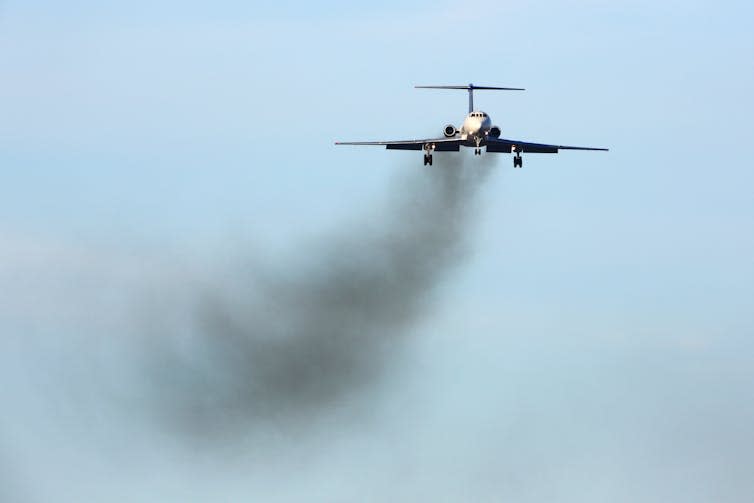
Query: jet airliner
x,y
476,131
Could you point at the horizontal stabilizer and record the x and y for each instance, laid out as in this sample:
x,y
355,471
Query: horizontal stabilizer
x,y
471,88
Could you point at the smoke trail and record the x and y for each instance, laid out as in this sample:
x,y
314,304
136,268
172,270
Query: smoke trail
x,y
282,344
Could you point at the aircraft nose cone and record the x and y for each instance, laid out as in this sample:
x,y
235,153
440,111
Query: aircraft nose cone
x,y
472,125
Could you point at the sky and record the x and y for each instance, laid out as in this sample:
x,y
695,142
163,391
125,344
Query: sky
x,y
576,330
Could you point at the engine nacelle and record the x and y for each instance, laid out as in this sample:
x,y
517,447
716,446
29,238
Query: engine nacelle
x,y
450,131
495,132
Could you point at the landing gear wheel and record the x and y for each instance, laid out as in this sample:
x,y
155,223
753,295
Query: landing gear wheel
x,y
428,149
518,162
477,151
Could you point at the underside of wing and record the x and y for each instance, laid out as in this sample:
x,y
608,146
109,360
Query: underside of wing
x,y
439,144
504,145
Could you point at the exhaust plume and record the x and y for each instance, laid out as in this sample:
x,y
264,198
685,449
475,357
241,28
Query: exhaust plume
x,y
283,343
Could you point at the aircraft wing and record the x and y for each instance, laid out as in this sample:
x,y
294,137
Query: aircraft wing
x,y
441,144
504,145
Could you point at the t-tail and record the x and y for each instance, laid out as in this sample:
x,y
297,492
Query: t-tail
x,y
470,88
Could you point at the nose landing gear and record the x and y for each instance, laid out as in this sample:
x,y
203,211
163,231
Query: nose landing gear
x,y
477,150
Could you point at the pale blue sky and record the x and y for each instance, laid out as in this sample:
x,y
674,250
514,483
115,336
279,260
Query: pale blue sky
x,y
607,296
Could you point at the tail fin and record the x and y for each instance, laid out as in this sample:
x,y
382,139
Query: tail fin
x,y
471,88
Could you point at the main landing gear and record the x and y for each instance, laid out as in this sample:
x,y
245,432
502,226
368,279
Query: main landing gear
x,y
518,161
428,148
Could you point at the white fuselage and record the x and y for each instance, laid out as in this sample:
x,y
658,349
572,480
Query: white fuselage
x,y
476,125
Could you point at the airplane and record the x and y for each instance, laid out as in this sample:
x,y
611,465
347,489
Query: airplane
x,y
476,131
